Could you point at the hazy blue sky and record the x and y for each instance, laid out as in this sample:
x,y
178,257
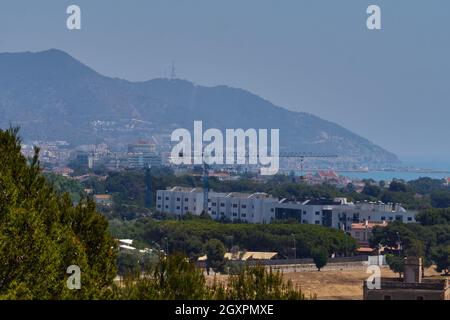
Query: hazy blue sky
x,y
391,86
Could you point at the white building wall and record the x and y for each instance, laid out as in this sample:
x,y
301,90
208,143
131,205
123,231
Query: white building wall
x,y
258,208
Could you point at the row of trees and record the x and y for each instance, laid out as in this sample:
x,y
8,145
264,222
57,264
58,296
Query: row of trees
x,y
193,237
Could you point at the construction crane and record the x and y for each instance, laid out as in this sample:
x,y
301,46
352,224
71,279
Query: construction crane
x,y
300,155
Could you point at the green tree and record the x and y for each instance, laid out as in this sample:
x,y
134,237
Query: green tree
x,y
441,257
42,234
128,263
215,251
320,257
173,278
396,264
440,199
372,190
398,186
257,283
434,216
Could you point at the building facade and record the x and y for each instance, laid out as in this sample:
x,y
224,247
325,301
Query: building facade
x,y
262,208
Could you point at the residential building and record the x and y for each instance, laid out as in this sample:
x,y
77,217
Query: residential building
x,y
362,231
339,213
262,208
180,200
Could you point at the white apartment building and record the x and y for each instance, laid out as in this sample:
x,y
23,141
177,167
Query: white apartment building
x,y
262,208
339,213
252,208
179,200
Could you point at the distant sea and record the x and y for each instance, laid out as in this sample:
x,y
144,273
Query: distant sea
x,y
406,175
390,175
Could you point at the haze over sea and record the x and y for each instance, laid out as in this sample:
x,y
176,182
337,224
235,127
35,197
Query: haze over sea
x,y
442,166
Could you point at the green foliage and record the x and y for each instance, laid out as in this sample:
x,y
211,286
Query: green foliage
x,y
398,186
396,263
128,263
434,216
134,262
440,199
426,185
190,236
441,256
372,190
174,277
428,239
42,234
215,251
320,257
63,185
257,283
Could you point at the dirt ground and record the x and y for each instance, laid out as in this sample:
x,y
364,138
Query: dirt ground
x,y
333,285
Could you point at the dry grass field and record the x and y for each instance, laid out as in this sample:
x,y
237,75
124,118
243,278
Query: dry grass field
x,y
332,285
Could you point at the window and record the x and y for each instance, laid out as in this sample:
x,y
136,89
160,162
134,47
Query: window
x,y
159,206
186,199
243,215
234,214
167,198
214,204
317,222
420,298
409,218
178,199
271,210
383,218
222,204
304,212
305,222
167,207
159,198
243,206
178,207
387,298
186,208
317,213
234,205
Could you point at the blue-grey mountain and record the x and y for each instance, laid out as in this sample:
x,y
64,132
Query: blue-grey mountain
x,y
52,96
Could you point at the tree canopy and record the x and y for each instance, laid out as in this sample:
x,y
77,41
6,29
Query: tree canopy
x,y
42,234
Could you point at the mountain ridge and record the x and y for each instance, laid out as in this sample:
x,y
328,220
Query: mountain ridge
x,y
53,96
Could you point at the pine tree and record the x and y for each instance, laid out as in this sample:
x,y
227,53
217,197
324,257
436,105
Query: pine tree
x,y
42,234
